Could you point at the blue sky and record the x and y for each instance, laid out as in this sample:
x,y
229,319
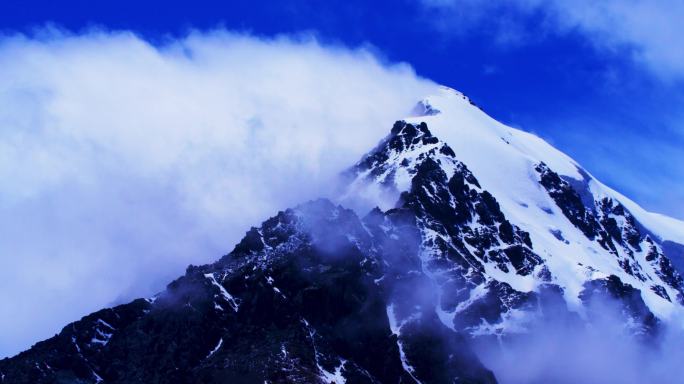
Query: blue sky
x,y
595,91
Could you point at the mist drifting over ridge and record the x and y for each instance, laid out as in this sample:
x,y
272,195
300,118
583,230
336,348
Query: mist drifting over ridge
x,y
128,161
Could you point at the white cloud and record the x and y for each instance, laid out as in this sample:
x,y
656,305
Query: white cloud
x,y
650,29
122,162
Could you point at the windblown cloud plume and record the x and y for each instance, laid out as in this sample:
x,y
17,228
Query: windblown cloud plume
x,y
122,162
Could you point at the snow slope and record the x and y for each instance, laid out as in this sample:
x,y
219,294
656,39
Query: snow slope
x,y
472,134
506,162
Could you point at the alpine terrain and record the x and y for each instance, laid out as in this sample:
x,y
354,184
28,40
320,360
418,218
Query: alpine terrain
x,y
454,230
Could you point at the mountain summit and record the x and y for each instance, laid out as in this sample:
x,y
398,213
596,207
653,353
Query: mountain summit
x,y
501,206
469,230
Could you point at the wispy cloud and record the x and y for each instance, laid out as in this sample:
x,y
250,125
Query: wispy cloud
x,y
123,162
649,30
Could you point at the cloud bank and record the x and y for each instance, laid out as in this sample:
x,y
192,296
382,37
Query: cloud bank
x,y
123,162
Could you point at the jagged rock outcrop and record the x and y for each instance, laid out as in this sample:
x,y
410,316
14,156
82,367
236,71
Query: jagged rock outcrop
x,y
314,295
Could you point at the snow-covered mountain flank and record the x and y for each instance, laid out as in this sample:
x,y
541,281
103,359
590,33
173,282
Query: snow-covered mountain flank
x,y
462,230
577,230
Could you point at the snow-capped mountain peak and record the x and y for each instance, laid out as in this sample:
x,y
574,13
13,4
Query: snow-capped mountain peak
x,y
579,230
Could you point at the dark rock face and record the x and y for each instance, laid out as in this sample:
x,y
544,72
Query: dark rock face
x,y
461,226
617,231
66,357
570,202
314,295
598,294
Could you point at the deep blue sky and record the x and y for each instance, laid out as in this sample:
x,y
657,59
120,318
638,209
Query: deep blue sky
x,y
612,113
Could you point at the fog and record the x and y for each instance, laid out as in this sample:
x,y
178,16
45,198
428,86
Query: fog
x,y
122,161
607,348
